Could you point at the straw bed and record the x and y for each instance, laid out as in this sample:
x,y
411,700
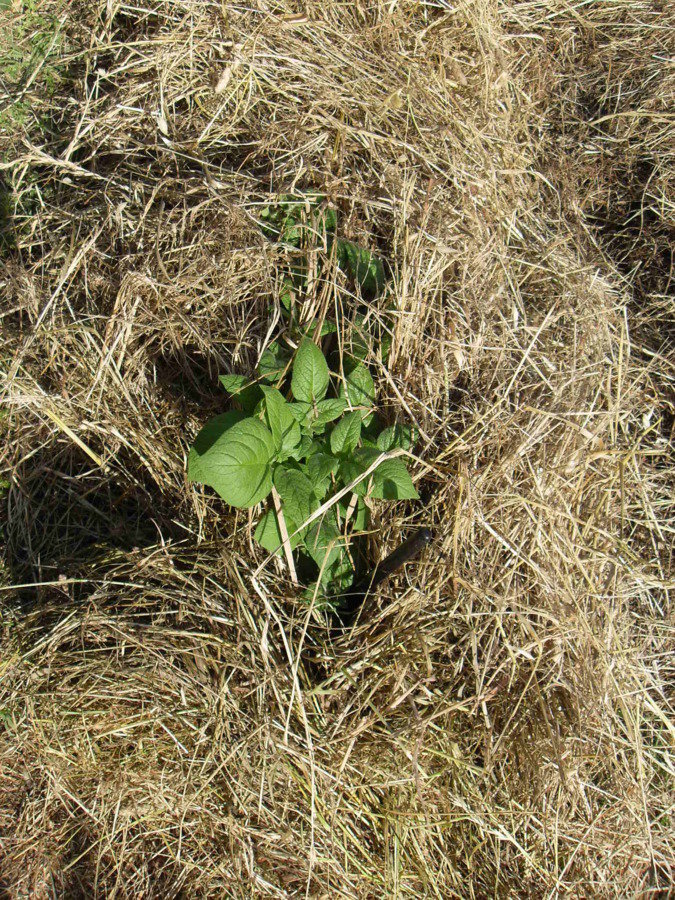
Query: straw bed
x,y
174,720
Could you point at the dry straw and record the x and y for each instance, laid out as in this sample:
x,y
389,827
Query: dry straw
x,y
500,723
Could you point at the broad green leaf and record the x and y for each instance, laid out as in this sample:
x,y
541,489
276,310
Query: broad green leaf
x,y
296,492
316,446
323,540
237,464
360,516
345,436
359,338
328,326
205,440
300,412
280,420
355,464
246,394
327,411
290,205
392,481
316,595
304,448
319,468
273,362
365,268
359,389
310,377
369,337
337,577
385,346
234,383
396,436
299,271
268,533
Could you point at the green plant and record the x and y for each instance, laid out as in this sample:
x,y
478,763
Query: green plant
x,y
29,53
305,221
306,449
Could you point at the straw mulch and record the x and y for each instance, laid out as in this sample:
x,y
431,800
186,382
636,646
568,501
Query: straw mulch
x,y
500,723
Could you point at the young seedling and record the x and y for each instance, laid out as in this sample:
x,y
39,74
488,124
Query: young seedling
x,y
305,442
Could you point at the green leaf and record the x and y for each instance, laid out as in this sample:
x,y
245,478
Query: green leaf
x,y
246,394
268,533
339,574
365,268
355,464
205,440
369,337
316,446
273,362
304,448
291,232
323,540
329,222
301,412
385,346
299,272
327,411
345,436
296,492
319,468
328,326
286,294
336,579
396,436
280,420
237,463
371,430
234,383
359,389
358,519
311,594
359,338
309,381
357,347
392,481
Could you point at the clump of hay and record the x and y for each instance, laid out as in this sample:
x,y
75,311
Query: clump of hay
x,y
499,724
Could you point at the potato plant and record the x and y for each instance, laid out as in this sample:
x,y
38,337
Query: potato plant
x,y
307,433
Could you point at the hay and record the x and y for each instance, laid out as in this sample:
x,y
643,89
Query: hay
x,y
500,723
